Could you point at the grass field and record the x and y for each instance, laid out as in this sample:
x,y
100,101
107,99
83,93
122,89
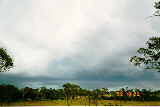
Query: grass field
x,y
84,103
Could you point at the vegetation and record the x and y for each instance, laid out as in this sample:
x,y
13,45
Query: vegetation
x,y
81,102
6,62
157,6
72,95
150,58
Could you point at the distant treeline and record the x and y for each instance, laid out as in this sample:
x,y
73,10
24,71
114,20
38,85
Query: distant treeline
x,y
72,92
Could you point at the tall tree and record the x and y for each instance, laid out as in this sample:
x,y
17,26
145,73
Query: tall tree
x,y
8,92
150,56
71,91
6,62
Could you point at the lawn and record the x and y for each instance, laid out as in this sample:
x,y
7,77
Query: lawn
x,y
84,103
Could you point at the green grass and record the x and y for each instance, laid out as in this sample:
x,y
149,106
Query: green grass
x,y
84,103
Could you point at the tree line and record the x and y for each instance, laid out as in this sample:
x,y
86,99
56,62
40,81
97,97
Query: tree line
x,y
71,92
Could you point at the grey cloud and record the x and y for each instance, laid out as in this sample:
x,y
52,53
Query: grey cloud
x,y
81,44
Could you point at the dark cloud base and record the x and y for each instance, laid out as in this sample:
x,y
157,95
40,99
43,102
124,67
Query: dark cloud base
x,y
87,81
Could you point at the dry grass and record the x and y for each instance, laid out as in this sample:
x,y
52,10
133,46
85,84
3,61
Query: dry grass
x,y
84,103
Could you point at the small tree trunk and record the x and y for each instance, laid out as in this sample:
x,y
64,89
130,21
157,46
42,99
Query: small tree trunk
x,y
71,101
85,101
89,101
96,102
67,102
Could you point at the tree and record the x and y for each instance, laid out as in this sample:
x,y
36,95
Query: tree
x,y
43,92
6,62
157,6
86,94
71,91
150,58
8,92
146,94
96,94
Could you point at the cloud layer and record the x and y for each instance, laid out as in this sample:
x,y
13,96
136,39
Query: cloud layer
x,y
84,42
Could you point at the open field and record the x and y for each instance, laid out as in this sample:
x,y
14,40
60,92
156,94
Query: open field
x,y
84,103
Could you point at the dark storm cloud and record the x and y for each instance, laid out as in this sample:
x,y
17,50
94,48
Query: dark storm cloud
x,y
92,82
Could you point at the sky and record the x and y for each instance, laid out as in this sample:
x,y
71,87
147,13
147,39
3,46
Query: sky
x,y
84,42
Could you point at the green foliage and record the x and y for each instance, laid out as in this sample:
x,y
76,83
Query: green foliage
x,y
150,56
6,62
12,93
71,91
157,6
28,93
8,92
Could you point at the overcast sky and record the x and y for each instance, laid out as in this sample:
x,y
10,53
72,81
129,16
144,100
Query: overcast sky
x,y
85,42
